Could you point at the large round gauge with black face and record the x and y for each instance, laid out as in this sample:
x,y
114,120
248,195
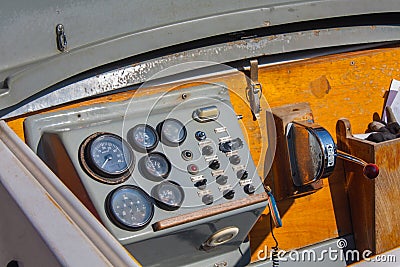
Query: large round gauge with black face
x,y
129,207
155,166
168,195
172,132
143,138
106,157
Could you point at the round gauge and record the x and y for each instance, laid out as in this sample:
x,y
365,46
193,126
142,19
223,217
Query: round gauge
x,y
155,165
106,157
168,195
129,207
172,132
143,138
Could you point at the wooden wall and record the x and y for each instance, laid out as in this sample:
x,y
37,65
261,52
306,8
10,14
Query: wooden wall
x,y
349,85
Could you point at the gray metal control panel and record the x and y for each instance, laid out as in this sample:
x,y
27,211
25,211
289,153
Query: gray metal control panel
x,y
170,175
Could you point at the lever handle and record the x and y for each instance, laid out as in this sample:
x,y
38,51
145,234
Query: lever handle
x,y
370,170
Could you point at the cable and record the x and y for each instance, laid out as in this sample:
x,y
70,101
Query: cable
x,y
275,249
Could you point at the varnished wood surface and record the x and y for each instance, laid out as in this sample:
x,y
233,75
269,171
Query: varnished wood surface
x,y
374,203
350,85
210,211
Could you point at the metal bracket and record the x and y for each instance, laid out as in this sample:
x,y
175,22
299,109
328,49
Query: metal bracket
x,y
61,38
254,90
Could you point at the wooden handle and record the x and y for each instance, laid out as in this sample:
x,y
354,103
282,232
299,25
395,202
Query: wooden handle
x,y
210,211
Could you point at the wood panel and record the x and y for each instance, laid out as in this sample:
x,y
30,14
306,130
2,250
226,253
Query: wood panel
x,y
350,85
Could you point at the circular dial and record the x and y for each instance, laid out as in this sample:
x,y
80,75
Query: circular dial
x,y
169,195
155,165
129,207
143,137
106,157
172,132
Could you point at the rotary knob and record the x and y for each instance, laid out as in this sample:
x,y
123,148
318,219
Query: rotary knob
x,y
207,151
235,159
214,164
249,189
207,199
229,194
221,179
242,174
201,184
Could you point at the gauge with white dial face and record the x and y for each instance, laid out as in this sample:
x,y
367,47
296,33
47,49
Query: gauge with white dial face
x,y
169,195
106,157
129,207
172,132
143,138
155,165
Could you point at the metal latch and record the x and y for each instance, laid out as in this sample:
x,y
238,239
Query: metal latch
x,y
254,90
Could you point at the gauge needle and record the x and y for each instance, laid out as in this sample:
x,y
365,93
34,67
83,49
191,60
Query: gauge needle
x,y
108,157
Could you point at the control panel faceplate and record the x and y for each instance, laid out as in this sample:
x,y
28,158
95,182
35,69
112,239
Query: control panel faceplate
x,y
145,161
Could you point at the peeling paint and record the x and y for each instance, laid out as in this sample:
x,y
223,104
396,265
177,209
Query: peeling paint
x,y
140,72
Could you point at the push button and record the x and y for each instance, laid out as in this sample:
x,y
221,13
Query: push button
x,y
193,169
200,135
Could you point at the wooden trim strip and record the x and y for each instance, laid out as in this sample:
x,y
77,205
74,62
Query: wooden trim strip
x,y
210,211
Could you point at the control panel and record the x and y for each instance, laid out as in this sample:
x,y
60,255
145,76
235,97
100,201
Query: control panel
x,y
158,168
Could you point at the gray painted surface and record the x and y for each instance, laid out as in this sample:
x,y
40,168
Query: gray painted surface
x,y
210,56
43,223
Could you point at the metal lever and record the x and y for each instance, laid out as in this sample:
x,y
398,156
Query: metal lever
x,y
254,90
370,170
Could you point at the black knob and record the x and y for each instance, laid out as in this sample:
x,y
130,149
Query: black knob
x,y
214,164
229,194
235,159
225,147
221,179
200,135
242,174
207,199
202,184
249,189
207,151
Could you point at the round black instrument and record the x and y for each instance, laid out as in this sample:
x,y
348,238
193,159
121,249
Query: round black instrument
x,y
129,207
106,157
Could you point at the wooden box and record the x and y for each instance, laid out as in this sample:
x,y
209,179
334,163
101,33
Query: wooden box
x,y
374,204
